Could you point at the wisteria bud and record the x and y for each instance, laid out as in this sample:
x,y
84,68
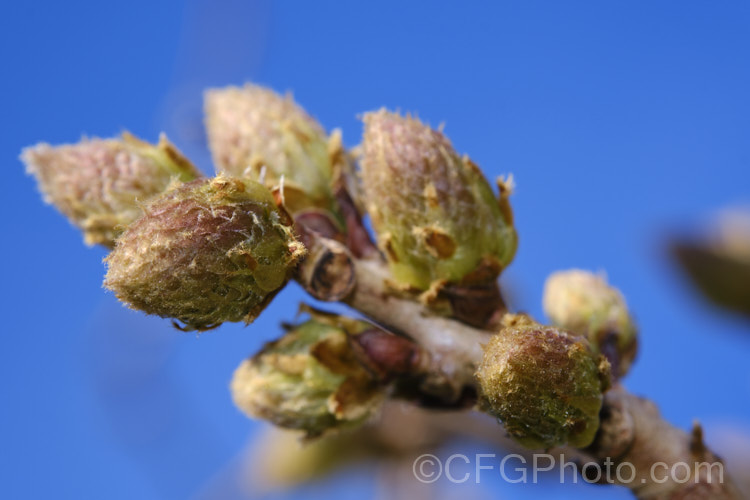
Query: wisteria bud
x,y
543,383
253,127
586,304
434,213
733,238
309,379
718,262
100,184
206,252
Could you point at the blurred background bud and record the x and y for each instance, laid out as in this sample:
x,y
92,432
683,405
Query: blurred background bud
x,y
586,304
734,232
253,127
279,460
100,184
543,383
206,252
434,213
310,379
718,263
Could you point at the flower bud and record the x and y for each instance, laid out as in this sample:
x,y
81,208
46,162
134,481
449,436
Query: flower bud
x,y
434,213
100,184
584,303
309,379
208,251
717,262
733,238
543,383
252,127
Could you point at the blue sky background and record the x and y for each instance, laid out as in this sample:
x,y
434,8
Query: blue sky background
x,y
621,121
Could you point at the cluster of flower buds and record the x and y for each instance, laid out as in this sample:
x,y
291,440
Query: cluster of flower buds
x,y
206,252
586,304
543,383
256,133
101,184
435,215
310,379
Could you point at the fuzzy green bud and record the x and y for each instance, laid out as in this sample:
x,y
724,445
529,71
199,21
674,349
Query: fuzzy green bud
x,y
101,184
253,127
585,303
309,379
543,383
206,252
435,215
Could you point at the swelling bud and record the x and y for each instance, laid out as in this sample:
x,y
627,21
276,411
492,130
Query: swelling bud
x,y
543,383
100,184
252,127
309,380
585,303
206,252
434,213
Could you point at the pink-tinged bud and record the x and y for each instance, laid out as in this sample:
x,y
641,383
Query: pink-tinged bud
x,y
586,304
101,184
435,215
251,128
543,383
206,252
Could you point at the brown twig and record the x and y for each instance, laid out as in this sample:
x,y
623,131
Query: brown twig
x,y
450,359
632,431
668,463
327,273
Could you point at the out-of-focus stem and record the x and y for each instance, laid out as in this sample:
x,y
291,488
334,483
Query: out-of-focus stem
x,y
669,463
